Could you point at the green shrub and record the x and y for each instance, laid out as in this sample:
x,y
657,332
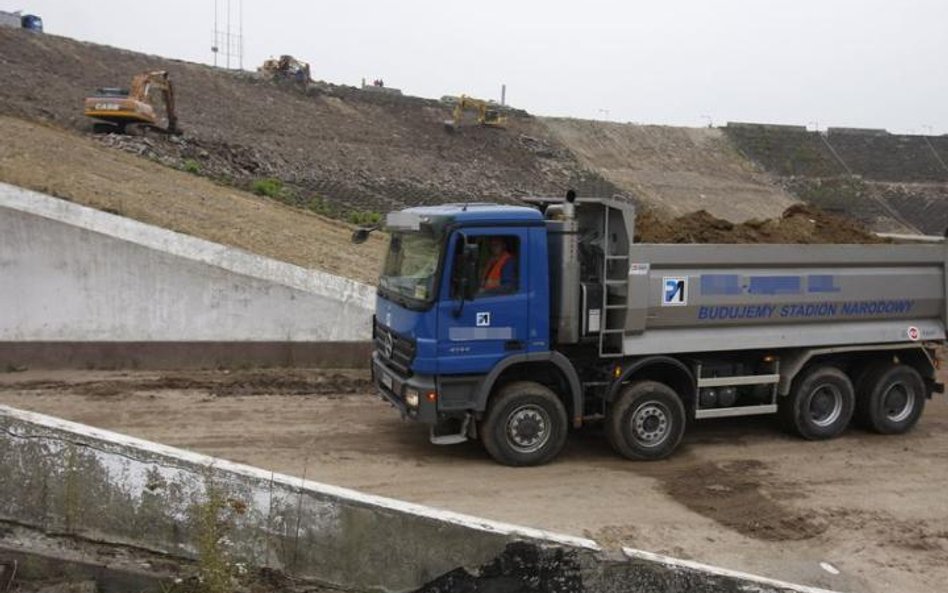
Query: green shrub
x,y
268,186
365,217
192,166
319,205
216,570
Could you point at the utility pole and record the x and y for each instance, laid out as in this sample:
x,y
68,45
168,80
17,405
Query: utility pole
x,y
228,36
215,45
226,41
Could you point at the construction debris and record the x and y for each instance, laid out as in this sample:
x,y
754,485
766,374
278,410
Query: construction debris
x,y
286,67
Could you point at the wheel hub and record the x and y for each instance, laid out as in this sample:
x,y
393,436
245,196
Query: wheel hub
x,y
528,428
898,402
826,405
650,424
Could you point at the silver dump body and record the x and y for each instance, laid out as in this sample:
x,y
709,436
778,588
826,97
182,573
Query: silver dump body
x,y
9,19
687,298
680,298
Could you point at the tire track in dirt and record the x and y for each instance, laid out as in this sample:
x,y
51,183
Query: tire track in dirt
x,y
741,495
217,384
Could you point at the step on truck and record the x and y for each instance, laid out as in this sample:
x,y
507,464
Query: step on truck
x,y
516,324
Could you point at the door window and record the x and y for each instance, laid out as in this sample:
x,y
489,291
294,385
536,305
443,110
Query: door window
x,y
498,265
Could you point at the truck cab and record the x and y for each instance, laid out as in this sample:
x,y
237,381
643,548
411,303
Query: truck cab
x,y
31,22
442,324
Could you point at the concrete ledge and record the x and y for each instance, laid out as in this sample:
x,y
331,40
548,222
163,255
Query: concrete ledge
x,y
72,480
74,274
183,355
67,478
765,127
44,558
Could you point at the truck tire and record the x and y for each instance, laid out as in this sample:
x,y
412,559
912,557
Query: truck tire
x,y
890,399
820,404
646,421
526,424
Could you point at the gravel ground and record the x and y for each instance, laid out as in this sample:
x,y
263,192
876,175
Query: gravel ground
x,y
739,493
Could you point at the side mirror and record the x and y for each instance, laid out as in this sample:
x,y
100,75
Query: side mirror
x,y
361,234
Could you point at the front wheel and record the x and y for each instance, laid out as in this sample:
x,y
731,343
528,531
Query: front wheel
x,y
647,421
526,424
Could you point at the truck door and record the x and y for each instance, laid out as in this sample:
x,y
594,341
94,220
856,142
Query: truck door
x,y
475,334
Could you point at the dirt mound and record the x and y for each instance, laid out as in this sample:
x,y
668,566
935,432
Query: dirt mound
x,y
798,224
355,150
346,153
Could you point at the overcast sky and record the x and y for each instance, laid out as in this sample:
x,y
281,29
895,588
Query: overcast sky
x,y
867,63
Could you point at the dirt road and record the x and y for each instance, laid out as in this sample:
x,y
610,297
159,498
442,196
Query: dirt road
x,y
739,493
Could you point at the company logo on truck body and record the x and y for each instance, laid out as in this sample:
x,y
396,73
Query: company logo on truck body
x,y
674,291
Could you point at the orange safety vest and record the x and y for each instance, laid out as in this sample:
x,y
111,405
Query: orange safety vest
x,y
494,268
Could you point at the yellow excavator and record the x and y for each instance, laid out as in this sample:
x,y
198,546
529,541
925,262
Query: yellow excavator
x,y
115,109
488,113
285,67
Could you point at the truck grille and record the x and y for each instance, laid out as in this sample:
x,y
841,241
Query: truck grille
x,y
395,349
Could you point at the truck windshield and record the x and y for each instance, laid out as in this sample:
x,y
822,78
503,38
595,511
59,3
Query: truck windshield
x,y
410,266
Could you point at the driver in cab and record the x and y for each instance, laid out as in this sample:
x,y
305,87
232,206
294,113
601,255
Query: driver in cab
x,y
499,274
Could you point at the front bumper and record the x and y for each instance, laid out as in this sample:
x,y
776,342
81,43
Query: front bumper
x,y
393,385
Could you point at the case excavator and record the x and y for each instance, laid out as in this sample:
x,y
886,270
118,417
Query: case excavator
x,y
121,111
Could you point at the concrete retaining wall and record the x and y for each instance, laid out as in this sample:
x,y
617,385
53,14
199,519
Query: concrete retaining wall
x,y
81,280
67,479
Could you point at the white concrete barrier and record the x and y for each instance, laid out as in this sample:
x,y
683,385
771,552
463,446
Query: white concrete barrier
x,y
67,479
72,275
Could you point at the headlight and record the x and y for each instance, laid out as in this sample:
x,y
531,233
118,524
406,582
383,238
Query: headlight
x,y
411,397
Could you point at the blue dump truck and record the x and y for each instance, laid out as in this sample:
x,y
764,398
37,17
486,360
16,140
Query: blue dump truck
x,y
517,324
24,21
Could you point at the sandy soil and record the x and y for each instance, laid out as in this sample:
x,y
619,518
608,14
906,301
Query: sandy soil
x,y
70,166
675,170
799,223
739,493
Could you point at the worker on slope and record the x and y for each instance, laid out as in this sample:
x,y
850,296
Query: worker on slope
x,y
499,274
